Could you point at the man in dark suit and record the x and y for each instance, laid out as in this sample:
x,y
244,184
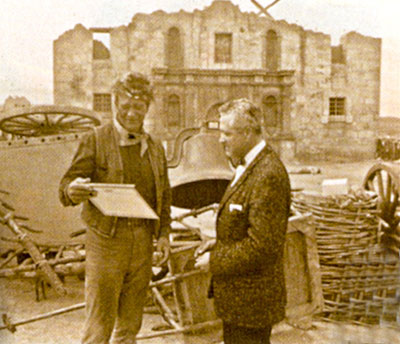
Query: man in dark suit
x,y
246,259
119,249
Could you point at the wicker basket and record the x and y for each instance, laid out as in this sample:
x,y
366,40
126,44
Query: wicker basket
x,y
360,279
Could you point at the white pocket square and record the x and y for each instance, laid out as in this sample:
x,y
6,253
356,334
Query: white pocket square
x,y
237,207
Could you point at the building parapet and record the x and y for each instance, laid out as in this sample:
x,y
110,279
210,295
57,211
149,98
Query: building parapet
x,y
222,76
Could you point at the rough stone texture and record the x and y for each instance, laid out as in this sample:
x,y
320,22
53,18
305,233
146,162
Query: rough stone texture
x,y
12,104
73,72
303,83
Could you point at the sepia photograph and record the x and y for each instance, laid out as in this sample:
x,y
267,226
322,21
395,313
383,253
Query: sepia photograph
x,y
200,172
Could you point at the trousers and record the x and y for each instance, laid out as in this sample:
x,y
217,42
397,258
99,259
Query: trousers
x,y
118,272
244,335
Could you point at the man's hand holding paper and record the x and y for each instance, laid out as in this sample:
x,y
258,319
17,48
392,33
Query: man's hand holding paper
x,y
79,190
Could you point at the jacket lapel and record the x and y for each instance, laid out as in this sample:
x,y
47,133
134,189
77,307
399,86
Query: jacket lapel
x,y
232,189
154,161
119,166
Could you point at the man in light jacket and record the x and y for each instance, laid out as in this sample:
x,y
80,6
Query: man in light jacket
x,y
119,250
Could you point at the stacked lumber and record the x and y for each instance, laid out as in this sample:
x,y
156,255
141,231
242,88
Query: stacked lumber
x,y
360,278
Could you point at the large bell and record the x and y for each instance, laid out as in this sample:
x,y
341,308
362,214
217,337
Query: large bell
x,y
199,172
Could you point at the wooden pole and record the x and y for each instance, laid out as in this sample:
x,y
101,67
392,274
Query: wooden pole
x,y
12,326
7,218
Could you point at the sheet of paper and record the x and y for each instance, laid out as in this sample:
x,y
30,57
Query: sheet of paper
x,y
122,200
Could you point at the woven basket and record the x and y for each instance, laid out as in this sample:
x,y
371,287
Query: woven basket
x,y
360,279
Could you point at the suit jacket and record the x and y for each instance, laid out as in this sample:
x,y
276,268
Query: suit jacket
x,y
98,157
247,260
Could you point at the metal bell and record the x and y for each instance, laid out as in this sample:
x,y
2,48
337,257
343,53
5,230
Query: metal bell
x,y
199,171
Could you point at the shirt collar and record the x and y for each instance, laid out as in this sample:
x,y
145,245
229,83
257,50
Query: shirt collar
x,y
124,140
252,154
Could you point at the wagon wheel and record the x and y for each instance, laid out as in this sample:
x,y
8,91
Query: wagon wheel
x,y
384,180
49,120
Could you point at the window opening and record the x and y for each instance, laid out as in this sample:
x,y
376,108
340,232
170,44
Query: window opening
x,y
223,48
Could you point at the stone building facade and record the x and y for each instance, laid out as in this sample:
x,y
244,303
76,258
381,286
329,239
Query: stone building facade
x,y
12,104
317,100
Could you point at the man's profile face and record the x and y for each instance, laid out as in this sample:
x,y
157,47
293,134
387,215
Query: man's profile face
x,y
233,137
131,112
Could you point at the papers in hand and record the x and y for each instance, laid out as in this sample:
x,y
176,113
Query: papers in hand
x,y
121,200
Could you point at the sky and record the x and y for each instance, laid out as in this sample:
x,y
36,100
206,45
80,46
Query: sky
x,y
29,27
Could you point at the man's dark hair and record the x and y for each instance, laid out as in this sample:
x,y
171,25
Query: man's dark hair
x,y
134,84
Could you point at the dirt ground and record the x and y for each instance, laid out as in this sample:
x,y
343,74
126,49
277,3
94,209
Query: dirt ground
x,y
17,299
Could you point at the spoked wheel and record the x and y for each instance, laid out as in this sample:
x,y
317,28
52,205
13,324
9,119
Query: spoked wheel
x,y
49,120
384,180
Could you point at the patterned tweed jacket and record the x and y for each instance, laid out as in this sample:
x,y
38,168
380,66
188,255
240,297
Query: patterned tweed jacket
x,y
247,260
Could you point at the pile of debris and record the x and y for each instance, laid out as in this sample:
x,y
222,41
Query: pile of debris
x,y
388,148
175,291
360,277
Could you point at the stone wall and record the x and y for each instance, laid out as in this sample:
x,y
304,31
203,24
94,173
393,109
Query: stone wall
x,y
308,129
72,68
352,136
